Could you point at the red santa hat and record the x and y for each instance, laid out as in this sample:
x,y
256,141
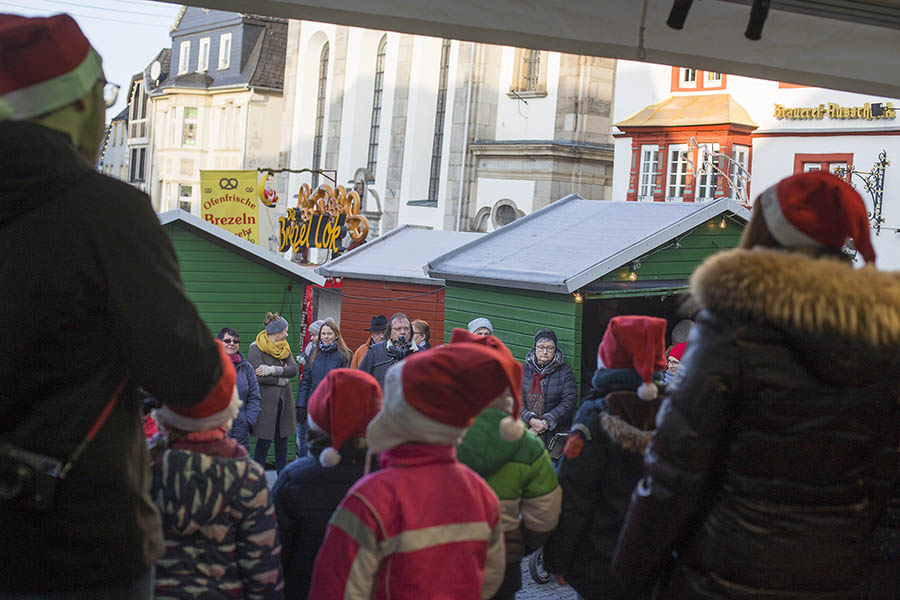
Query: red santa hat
x,y
816,209
432,397
219,406
635,342
342,406
677,350
47,64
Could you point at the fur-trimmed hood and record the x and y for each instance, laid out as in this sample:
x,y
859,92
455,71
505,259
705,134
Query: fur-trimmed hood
x,y
843,318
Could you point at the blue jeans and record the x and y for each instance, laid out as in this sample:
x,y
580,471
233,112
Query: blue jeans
x,y
302,447
262,446
131,588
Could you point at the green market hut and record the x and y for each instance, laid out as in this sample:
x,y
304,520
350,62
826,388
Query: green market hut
x,y
575,264
234,283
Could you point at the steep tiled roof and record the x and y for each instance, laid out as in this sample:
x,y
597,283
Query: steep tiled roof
x,y
269,72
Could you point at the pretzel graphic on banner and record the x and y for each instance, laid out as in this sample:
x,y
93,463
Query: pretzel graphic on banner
x,y
333,202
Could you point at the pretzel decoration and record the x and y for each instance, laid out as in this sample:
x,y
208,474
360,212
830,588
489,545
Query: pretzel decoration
x,y
333,202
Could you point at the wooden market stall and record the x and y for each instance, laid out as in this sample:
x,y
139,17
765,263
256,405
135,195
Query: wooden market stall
x,y
576,263
387,275
233,282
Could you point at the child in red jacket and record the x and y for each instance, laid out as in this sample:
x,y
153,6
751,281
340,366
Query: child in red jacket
x,y
425,525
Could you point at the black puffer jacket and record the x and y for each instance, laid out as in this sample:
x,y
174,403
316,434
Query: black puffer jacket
x,y
560,393
777,442
306,494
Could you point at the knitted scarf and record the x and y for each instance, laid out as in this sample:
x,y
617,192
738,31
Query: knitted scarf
x,y
536,382
236,358
280,350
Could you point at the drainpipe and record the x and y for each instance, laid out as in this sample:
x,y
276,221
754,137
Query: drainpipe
x,y
465,147
246,129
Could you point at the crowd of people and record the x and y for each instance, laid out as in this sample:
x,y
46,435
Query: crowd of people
x,y
758,458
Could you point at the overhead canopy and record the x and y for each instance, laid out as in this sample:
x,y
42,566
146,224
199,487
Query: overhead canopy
x,y
236,244
677,111
400,255
573,242
841,44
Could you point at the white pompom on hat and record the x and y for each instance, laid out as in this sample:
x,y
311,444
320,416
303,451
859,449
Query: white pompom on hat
x,y
341,407
432,397
635,342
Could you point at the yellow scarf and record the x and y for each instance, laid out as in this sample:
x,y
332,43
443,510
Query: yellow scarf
x,y
280,350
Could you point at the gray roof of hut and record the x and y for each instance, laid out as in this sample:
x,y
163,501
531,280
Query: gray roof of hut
x,y
239,245
573,242
399,255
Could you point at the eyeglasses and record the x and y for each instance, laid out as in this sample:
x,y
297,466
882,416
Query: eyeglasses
x,y
110,93
545,348
231,341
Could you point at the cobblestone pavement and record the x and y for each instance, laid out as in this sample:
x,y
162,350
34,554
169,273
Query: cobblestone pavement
x,y
530,590
547,591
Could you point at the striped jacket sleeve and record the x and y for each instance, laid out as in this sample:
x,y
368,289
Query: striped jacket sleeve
x,y
347,564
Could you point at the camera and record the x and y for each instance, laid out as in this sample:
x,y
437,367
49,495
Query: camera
x,y
28,478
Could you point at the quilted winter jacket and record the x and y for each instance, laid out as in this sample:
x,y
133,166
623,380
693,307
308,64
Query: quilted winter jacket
x,y
218,523
560,394
306,495
597,483
776,444
315,372
522,476
424,526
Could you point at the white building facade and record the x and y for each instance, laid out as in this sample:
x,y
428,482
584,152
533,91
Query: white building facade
x,y
215,104
449,135
690,135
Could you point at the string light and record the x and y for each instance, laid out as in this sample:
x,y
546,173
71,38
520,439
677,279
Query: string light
x,y
632,276
578,297
722,223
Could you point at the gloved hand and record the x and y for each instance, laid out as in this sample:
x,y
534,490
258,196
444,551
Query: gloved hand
x,y
266,370
301,414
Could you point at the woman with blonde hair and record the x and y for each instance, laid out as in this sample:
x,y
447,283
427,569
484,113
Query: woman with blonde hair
x,y
274,365
330,352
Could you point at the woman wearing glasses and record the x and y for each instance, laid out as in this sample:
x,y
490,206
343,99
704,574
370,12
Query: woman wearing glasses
x,y
247,386
548,388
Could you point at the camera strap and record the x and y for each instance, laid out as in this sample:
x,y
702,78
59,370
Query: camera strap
x,y
92,433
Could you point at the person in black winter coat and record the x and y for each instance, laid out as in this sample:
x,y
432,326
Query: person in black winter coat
x,y
602,461
395,348
777,443
330,352
309,489
548,388
92,307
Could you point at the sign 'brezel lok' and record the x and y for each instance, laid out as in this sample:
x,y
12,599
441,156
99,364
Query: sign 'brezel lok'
x,y
834,111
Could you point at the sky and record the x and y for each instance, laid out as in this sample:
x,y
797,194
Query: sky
x,y
126,33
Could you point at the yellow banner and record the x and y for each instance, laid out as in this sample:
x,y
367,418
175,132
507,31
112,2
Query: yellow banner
x,y
229,199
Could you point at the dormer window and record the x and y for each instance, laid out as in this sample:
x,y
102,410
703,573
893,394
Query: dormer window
x,y
224,51
689,79
203,56
184,56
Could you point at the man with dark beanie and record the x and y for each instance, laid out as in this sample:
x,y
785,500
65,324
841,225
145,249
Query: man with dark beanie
x,y
92,307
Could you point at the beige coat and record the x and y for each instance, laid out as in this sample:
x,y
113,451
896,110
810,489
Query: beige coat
x,y
271,390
